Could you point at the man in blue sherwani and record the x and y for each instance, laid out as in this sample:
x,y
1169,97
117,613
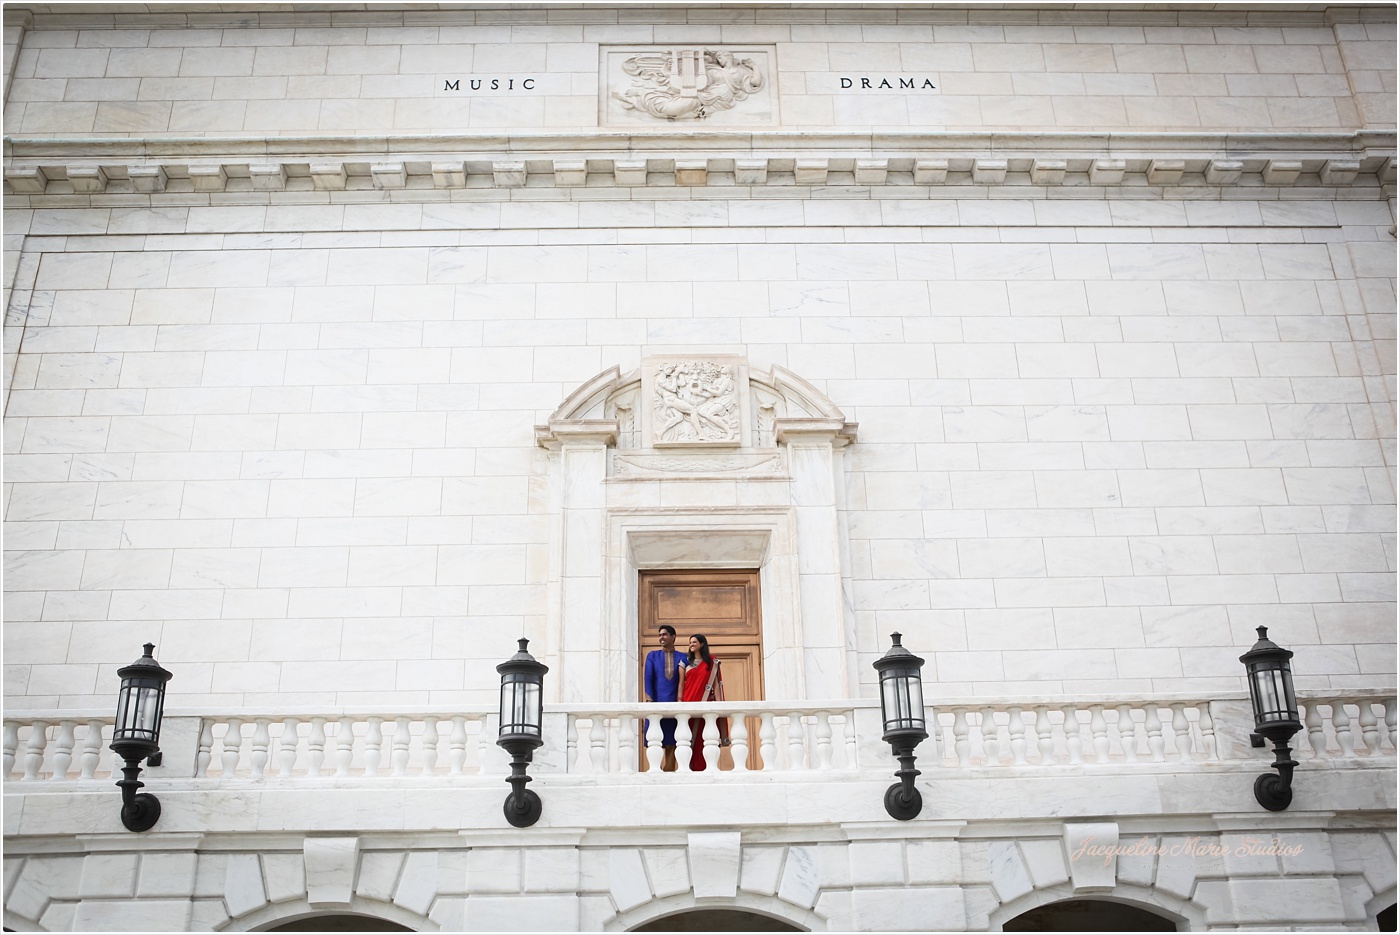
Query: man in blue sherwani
x,y
661,682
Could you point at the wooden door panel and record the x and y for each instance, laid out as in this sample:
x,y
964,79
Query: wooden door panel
x,y
716,606
723,605
742,674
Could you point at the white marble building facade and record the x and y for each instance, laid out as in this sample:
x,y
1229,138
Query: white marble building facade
x,y
345,346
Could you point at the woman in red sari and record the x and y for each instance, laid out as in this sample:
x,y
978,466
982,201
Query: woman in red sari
x,y
703,683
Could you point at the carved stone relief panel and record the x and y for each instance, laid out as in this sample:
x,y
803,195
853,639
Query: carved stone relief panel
x,y
660,85
694,402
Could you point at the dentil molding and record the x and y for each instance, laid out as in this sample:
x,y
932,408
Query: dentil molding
x,y
717,159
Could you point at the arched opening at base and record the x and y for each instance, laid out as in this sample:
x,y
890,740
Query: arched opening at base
x,y
717,920
1088,915
339,922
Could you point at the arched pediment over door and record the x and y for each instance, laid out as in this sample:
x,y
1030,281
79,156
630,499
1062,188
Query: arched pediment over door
x,y
698,461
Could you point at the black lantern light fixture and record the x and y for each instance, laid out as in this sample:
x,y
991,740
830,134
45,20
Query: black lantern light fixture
x,y
140,706
1270,677
902,707
522,716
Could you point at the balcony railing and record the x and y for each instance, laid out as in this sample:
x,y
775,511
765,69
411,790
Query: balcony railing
x,y
770,737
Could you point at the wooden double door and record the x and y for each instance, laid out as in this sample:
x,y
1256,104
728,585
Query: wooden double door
x,y
723,605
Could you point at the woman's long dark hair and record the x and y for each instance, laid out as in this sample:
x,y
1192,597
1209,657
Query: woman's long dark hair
x,y
704,649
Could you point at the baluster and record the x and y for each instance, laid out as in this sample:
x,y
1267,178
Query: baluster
x,y
206,748
960,743
398,756
1390,705
344,746
231,752
598,744
653,742
627,744
457,746
287,747
1317,738
483,745
711,738
1366,717
822,727
1127,733
1016,732
1072,742
1045,734
34,749
767,743
430,746
796,752
739,743
1207,725
850,733
976,742
571,746
987,730
63,747
1341,722
11,747
316,747
1181,732
684,747
92,749
374,740
262,739
1153,723
1098,730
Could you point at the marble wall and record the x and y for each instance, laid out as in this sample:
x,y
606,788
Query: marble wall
x,y
274,368
1099,443
275,73
1106,428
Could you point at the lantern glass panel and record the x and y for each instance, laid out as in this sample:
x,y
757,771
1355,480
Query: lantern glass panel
x,y
901,698
139,706
1272,694
520,704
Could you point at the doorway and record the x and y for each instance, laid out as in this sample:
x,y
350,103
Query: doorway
x,y
723,604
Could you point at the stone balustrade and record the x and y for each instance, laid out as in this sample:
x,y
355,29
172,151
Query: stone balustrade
x,y
71,746
787,738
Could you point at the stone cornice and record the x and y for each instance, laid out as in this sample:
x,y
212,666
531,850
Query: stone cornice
x,y
496,13
853,143
97,165
590,432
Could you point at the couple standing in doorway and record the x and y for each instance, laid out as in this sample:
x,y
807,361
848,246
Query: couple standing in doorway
x,y
671,676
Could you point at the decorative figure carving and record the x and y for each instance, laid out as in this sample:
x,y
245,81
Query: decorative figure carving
x,y
696,401
688,84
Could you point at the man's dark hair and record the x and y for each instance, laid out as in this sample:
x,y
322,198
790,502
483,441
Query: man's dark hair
x,y
668,628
